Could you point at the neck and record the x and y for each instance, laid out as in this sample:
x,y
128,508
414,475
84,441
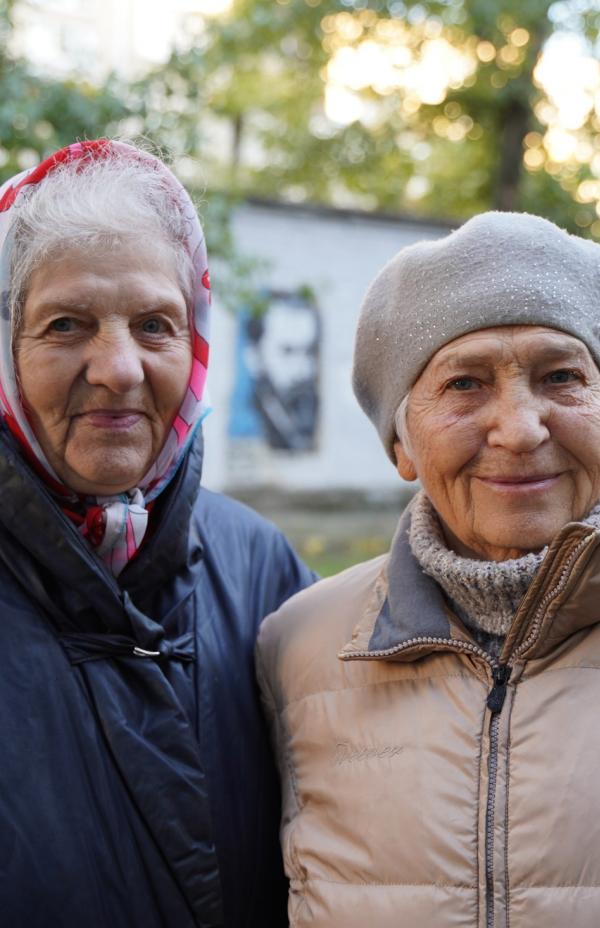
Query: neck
x,y
484,594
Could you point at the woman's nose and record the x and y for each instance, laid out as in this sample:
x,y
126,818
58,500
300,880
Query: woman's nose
x,y
114,361
519,423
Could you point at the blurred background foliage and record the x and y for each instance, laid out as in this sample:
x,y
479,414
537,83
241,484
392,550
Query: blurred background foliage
x,y
39,114
435,108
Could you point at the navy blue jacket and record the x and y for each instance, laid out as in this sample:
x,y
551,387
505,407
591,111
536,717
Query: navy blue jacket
x,y
137,788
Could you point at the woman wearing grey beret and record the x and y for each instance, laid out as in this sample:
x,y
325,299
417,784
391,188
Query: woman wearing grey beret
x,y
435,710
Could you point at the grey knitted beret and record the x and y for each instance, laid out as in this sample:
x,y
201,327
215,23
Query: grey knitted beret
x,y
497,269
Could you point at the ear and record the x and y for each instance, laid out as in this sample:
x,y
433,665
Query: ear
x,y
404,465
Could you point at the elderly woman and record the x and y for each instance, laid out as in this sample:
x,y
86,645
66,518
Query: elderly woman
x,y
136,788
435,710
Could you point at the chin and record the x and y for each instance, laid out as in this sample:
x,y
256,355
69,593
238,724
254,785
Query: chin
x,y
95,488
95,469
104,481
530,536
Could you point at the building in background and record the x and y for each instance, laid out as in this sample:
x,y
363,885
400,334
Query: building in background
x,y
284,415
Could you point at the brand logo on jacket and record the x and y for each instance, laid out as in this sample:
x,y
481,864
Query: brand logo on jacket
x,y
347,753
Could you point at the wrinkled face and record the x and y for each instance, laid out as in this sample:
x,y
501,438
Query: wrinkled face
x,y
104,357
504,428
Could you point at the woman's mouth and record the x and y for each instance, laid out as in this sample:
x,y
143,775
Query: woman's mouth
x,y
524,483
113,419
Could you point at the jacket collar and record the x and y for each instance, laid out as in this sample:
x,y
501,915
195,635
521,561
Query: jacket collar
x,y
77,589
407,615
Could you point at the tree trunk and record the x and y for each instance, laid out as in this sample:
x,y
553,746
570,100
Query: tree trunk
x,y
516,124
517,120
236,143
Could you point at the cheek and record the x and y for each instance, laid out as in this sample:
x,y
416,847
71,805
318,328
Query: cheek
x,y
445,446
46,381
577,431
171,377
48,388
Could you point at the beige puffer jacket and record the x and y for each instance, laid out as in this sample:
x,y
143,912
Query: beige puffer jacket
x,y
420,790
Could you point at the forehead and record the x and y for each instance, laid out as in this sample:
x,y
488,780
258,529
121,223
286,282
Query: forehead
x,y
123,268
117,255
495,347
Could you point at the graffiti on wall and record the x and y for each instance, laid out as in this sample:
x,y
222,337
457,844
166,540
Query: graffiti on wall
x,y
276,391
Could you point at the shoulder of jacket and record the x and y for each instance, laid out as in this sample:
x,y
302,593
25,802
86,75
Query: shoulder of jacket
x,y
315,624
240,543
217,511
334,592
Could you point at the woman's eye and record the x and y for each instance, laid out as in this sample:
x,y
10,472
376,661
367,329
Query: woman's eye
x,y
462,384
562,376
63,324
153,326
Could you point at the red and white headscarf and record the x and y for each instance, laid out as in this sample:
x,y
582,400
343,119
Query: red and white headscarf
x,y
114,525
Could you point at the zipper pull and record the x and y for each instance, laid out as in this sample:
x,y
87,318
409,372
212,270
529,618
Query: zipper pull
x,y
497,694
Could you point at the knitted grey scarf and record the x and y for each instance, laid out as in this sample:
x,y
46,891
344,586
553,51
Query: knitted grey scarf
x,y
485,594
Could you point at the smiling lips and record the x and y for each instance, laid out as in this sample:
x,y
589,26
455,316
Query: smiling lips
x,y
112,418
521,483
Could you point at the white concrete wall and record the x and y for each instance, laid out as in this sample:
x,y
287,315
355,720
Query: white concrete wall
x,y
337,254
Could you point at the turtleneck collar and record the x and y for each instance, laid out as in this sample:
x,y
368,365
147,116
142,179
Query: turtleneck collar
x,y
485,594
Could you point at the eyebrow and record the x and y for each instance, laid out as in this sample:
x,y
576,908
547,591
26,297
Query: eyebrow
x,y
550,353
61,303
64,304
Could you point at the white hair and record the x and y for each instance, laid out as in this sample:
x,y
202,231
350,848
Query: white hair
x,y
95,204
401,426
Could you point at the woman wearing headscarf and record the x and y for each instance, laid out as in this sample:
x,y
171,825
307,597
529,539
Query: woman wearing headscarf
x,y
435,709
135,780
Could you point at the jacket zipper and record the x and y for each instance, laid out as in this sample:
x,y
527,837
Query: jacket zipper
x,y
453,644
495,701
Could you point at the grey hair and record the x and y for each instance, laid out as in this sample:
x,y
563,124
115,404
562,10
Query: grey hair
x,y
401,426
95,203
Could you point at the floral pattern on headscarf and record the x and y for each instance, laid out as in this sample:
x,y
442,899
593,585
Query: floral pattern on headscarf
x,y
114,525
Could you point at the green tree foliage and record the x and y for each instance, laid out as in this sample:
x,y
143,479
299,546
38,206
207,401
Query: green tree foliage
x,y
40,114
247,98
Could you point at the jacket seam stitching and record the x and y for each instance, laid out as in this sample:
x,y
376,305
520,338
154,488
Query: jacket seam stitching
x,y
321,879
558,886
530,679
291,771
364,686
281,730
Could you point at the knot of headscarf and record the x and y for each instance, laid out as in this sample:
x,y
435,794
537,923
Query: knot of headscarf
x,y
113,525
116,528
